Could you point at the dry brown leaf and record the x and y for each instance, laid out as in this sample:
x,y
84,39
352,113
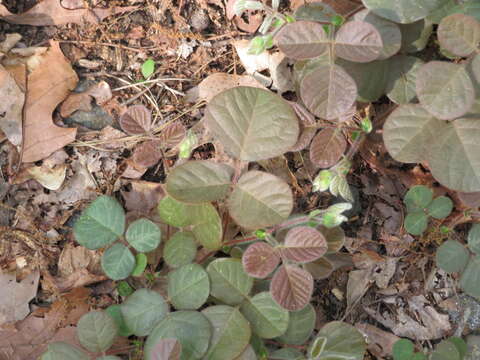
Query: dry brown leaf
x,y
11,107
143,196
172,135
15,296
136,120
380,342
359,281
51,12
74,102
48,85
147,154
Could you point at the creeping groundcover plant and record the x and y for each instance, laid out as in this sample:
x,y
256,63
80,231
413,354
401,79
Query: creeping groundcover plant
x,y
229,296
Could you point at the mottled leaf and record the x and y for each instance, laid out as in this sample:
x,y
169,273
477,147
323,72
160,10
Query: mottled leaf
x,y
267,319
188,287
459,34
252,124
199,181
118,262
302,40
358,41
445,89
259,200
328,91
303,244
327,147
452,256
260,259
292,287
143,310
96,331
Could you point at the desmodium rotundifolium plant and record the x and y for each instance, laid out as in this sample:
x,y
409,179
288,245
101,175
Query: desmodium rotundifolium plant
x,y
453,348
231,301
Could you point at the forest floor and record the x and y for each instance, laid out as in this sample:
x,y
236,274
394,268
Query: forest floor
x,y
387,283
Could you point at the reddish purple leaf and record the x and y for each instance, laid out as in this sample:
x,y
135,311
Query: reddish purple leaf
x,y
136,120
147,154
302,40
172,135
358,41
303,244
166,349
259,260
327,148
292,287
306,136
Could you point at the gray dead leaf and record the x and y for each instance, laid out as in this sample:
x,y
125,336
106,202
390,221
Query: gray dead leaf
x,y
11,106
392,218
15,296
380,342
384,272
359,281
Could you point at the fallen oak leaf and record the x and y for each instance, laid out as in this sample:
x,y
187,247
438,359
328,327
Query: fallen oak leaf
x,y
48,85
51,12
11,107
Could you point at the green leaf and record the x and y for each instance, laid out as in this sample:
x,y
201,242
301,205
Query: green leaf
x,y
317,346
452,256
188,287
402,11
415,36
300,326
417,198
323,180
174,212
118,262
471,277
474,239
315,11
62,351
143,310
180,249
192,330
267,318
140,264
403,349
437,81
343,341
419,356
115,311
199,181
96,331
144,235
252,207
251,123
148,68
287,354
100,224
302,40
446,350
416,223
228,281
461,346
124,289
459,34
402,77
231,332
440,207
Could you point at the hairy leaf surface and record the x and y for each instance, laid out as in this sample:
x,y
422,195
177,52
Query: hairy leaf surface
x,y
327,147
302,40
292,287
358,41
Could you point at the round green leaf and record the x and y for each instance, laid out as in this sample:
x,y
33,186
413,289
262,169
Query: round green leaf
x,y
228,281
144,235
199,181
115,311
292,287
408,132
437,81
268,320
174,212
118,262
192,330
96,331
446,350
416,223
459,34
302,40
100,224
300,326
471,277
207,226
358,41
188,287
417,198
252,124
343,341
415,36
402,77
62,351
180,249
143,310
403,349
140,264
454,156
474,239
389,32
402,11
148,68
260,200
287,354
440,207
231,332
452,256
460,344
328,91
